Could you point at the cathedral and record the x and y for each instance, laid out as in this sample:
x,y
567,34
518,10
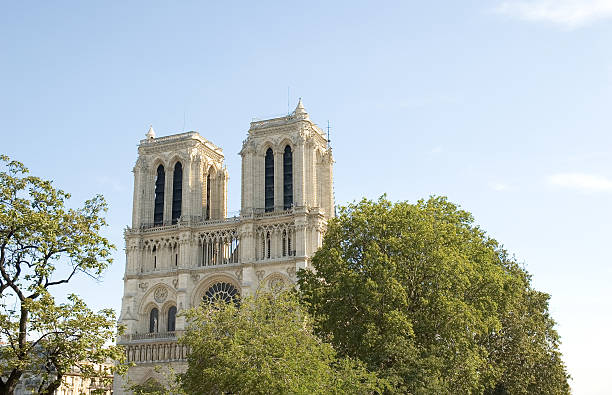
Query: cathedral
x,y
182,249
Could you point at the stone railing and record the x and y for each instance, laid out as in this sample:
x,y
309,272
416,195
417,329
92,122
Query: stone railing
x,y
156,352
149,336
183,136
191,221
260,212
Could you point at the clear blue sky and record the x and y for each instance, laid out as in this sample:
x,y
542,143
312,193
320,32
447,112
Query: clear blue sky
x,y
503,106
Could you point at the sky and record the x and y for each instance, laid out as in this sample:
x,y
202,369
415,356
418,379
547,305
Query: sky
x,y
501,105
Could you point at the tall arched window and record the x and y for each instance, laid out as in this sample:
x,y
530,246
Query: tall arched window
x,y
287,178
158,212
154,320
269,181
208,196
172,319
177,191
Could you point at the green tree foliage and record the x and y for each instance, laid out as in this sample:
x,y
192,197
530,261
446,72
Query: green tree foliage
x,y
44,244
149,387
265,347
428,301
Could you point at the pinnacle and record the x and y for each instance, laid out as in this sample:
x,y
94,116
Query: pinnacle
x,y
151,133
300,108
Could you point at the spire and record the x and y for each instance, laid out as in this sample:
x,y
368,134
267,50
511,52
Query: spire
x,y
300,111
151,133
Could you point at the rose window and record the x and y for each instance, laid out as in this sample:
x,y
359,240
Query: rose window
x,y
221,292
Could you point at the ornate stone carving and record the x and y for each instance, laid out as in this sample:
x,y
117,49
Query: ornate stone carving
x,y
260,274
195,277
276,284
291,271
143,286
239,274
175,283
160,294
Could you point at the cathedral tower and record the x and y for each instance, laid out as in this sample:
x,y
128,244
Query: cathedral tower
x,y
182,250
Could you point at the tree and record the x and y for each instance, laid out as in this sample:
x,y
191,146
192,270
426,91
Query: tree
x,y
44,244
431,303
265,346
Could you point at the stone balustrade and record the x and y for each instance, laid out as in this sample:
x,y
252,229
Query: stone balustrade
x,y
156,352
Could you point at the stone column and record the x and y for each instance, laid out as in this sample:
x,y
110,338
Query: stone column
x,y
168,196
298,174
137,197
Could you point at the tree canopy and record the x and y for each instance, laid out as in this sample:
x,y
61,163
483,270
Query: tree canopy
x,y
428,301
265,346
44,244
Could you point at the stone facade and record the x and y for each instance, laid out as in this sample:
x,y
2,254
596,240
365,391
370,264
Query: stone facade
x,y
182,248
73,382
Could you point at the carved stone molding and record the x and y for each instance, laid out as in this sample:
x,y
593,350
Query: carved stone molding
x,y
160,294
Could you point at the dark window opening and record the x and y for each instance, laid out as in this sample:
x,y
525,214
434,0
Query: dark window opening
x,y
208,196
287,178
154,320
269,181
177,192
158,212
172,319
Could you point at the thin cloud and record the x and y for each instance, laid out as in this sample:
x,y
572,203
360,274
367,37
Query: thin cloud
x,y
499,186
581,181
437,150
567,13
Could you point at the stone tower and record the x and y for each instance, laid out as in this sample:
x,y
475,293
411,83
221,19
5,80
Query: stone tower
x,y
182,250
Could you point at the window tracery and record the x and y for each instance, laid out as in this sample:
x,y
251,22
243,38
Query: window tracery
x,y
276,240
221,291
219,247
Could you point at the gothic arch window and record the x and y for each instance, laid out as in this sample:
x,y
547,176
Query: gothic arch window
x,y
177,191
154,251
222,291
287,178
172,319
154,320
269,181
208,196
158,212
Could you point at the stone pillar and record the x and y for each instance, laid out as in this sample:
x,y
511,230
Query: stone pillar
x,y
138,196
168,196
258,181
298,174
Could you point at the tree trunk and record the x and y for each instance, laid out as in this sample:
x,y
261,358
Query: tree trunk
x,y
8,387
50,389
